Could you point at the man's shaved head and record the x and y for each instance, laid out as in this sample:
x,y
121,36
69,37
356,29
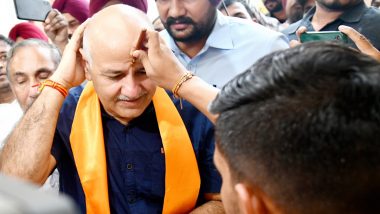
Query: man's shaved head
x,y
117,26
122,85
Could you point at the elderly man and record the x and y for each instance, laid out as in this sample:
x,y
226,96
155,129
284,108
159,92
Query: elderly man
x,y
213,46
120,145
30,62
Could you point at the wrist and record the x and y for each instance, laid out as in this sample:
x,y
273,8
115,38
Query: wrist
x,y
56,78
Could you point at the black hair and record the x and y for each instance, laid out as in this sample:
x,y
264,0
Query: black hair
x,y
303,124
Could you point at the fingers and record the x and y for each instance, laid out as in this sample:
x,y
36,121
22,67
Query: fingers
x,y
76,39
153,39
51,15
360,41
54,20
294,43
141,56
300,31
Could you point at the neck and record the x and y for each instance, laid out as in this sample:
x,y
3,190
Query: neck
x,y
323,16
6,95
191,49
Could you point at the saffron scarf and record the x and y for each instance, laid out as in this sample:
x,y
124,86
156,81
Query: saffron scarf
x,y
182,180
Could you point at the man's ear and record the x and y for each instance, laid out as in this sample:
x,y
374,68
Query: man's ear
x,y
85,64
250,201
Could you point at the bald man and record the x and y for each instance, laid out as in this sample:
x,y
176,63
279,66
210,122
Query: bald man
x,y
121,144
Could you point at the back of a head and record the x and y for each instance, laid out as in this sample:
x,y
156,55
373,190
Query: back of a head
x,y
115,28
303,125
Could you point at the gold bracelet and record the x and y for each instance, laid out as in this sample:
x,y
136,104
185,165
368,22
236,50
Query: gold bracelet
x,y
178,85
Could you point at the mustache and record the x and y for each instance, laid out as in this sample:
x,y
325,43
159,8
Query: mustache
x,y
126,98
179,20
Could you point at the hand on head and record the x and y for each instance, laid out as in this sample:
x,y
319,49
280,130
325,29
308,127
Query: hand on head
x,y
70,72
363,44
160,64
56,27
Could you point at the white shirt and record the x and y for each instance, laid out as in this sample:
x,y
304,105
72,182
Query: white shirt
x,y
233,46
10,114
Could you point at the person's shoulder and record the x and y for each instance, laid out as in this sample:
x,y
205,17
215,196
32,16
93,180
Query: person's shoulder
x,y
292,28
244,26
251,33
372,13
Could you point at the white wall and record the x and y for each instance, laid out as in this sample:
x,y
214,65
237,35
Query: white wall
x,y
7,16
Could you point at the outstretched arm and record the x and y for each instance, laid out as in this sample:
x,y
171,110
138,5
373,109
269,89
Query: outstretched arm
x,y
165,70
27,151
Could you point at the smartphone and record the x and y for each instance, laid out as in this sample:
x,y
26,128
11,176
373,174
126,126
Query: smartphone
x,y
34,10
324,36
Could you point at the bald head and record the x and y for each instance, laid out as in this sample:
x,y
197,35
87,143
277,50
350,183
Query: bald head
x,y
115,28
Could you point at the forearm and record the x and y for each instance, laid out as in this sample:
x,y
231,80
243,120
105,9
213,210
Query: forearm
x,y
27,151
199,94
214,207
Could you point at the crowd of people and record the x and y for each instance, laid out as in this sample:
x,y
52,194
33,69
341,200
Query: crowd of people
x,y
213,107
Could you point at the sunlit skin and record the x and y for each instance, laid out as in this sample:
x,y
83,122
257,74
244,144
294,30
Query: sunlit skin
x,y
122,86
29,66
227,192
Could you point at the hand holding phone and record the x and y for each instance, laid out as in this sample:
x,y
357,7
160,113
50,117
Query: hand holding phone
x,y
335,36
34,10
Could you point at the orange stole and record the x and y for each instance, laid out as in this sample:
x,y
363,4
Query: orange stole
x,y
182,180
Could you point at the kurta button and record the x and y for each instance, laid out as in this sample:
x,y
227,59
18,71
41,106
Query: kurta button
x,y
129,166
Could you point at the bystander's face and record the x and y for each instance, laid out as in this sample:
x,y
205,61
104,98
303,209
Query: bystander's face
x,y
4,83
187,20
29,66
123,87
273,6
73,23
237,9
